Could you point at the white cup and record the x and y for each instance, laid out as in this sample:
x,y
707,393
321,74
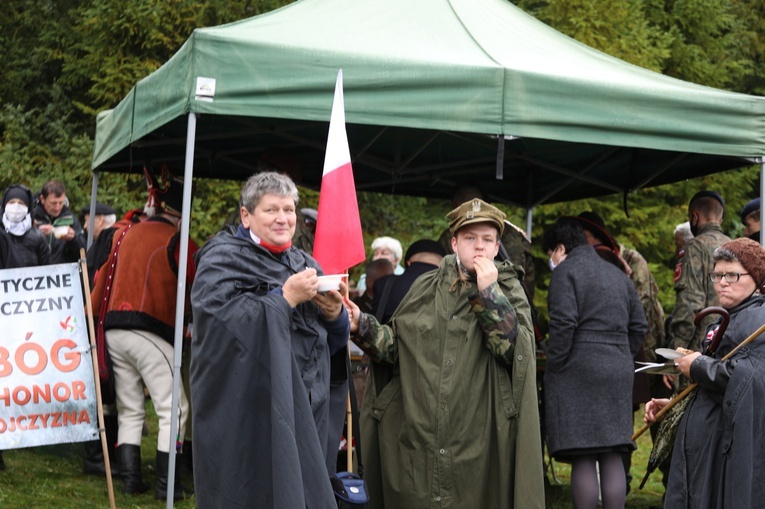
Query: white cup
x,y
330,282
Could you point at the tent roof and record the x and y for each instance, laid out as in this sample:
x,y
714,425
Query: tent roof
x,y
433,88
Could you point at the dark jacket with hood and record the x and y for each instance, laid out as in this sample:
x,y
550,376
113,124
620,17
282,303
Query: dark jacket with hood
x,y
260,380
718,459
7,256
62,251
31,249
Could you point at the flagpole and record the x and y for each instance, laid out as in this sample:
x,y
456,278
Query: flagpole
x,y
349,426
339,242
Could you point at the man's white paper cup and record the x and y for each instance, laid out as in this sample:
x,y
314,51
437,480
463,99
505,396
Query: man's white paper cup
x,y
331,282
60,231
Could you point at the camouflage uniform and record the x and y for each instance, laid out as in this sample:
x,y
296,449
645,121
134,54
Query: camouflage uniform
x,y
694,289
457,425
518,247
648,292
492,309
645,387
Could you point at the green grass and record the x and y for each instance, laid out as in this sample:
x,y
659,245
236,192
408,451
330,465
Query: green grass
x,y
558,496
51,476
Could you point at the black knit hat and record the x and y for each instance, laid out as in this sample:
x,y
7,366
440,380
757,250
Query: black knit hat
x,y
20,192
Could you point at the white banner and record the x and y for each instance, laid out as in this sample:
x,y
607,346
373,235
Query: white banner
x,y
47,390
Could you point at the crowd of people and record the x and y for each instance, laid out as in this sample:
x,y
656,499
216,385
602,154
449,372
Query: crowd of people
x,y
451,344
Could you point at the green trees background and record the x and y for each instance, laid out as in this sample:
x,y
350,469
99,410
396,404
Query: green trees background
x,y
66,60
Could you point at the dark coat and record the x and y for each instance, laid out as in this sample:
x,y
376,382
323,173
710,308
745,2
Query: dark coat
x,y
597,325
399,286
260,382
7,256
62,251
719,455
31,249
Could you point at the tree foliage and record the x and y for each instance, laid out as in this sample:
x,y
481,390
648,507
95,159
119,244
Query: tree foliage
x,y
66,60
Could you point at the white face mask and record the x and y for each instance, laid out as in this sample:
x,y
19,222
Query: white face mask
x,y
16,212
551,263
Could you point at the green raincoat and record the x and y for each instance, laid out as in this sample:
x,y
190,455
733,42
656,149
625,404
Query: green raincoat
x,y
457,423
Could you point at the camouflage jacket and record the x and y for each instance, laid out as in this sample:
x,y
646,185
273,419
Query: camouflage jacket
x,y
694,289
303,238
648,292
493,311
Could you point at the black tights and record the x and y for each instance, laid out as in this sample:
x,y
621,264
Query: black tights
x,y
584,481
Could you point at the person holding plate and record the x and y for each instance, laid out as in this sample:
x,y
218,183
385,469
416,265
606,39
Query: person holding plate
x,y
260,370
717,460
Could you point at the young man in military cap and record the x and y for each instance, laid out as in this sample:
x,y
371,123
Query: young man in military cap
x,y
458,424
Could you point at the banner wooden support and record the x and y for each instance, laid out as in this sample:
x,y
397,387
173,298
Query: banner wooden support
x,y
94,359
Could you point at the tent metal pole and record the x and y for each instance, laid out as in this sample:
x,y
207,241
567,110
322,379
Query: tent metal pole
x,y
92,216
762,195
180,304
529,217
530,208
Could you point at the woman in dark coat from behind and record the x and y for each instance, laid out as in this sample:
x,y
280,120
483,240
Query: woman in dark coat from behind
x,y
597,325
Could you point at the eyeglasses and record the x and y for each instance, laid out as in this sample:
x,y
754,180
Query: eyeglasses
x,y
730,277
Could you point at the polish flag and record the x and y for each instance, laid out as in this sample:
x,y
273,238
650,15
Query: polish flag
x,y
338,243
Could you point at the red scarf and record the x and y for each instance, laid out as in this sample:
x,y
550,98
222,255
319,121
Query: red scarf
x,y
276,249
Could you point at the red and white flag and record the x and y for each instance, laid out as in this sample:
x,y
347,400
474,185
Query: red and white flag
x,y
338,243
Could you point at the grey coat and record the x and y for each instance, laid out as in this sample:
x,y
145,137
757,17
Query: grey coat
x,y
597,325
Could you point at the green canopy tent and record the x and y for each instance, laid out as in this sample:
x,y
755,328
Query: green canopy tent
x,y
436,92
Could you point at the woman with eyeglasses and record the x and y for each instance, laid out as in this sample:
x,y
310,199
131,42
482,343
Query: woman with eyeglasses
x,y
719,455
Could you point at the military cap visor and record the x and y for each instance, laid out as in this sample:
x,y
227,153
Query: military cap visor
x,y
476,211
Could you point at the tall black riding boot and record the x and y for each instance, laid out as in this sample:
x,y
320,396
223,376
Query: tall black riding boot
x,y
130,460
179,491
94,458
112,429
187,455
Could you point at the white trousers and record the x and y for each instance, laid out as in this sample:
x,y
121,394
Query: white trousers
x,y
141,357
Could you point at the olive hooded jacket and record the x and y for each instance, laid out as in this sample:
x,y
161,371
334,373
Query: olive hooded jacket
x,y
457,424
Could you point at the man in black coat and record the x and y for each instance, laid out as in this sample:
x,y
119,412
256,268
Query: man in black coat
x,y
58,223
422,256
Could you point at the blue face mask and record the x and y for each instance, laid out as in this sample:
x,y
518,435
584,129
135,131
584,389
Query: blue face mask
x,y
551,263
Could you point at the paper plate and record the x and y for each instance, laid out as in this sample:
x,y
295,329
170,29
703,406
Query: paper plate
x,y
653,368
668,353
669,370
